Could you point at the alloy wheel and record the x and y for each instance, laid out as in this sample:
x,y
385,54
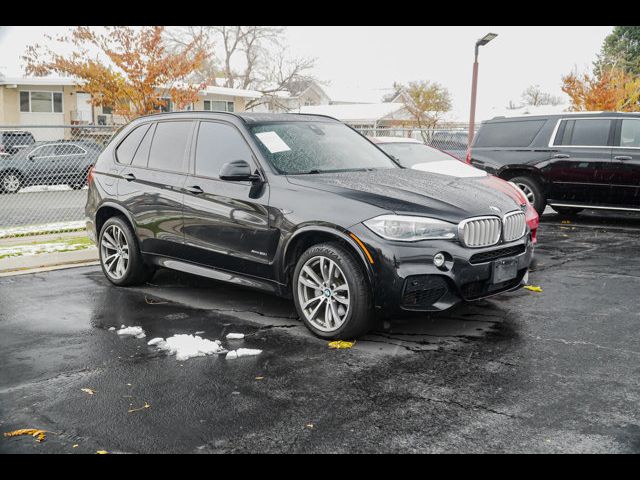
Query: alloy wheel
x,y
527,192
10,183
323,293
114,251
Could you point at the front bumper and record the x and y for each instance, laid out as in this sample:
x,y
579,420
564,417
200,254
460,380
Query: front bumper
x,y
405,278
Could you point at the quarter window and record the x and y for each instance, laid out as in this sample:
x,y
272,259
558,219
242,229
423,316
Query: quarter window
x,y
218,144
41,102
630,134
508,134
127,148
169,145
141,158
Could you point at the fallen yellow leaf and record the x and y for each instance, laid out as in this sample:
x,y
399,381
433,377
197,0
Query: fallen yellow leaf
x,y
75,446
88,390
102,452
39,435
338,344
146,405
259,378
533,288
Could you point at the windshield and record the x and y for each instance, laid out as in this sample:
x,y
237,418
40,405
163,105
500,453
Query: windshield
x,y
317,147
410,154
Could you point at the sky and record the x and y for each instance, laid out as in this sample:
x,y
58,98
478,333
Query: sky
x,y
361,63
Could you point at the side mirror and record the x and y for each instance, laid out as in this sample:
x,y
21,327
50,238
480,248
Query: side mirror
x,y
237,171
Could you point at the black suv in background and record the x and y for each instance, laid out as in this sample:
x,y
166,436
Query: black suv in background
x,y
302,206
570,161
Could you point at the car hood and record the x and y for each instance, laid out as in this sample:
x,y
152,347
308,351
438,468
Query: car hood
x,y
412,192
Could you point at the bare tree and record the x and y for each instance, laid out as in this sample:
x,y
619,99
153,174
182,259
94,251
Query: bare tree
x,y
247,57
283,74
534,96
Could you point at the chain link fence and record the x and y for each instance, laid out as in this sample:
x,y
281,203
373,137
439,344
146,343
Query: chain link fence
x,y
43,175
43,170
450,140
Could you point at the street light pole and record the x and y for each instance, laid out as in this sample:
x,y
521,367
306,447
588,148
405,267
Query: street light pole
x,y
474,85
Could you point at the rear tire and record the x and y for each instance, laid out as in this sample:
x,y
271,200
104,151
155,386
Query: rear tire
x,y
331,293
532,190
120,256
567,211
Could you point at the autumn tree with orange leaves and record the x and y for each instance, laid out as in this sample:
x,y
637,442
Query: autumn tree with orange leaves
x,y
130,70
610,89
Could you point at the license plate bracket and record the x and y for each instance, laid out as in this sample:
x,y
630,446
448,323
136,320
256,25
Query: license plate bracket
x,y
504,270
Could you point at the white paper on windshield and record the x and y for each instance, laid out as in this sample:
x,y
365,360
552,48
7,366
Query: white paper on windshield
x,y
273,142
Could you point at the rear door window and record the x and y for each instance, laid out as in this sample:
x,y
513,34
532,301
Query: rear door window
x,y
508,134
127,148
169,145
584,132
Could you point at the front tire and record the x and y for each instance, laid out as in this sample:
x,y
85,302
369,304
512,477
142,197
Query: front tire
x,y
120,256
533,191
331,293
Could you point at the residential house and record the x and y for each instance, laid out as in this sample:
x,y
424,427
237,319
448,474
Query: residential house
x,y
364,115
54,102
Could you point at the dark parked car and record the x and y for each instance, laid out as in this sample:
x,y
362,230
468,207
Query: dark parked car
x,y
570,161
301,206
62,162
12,141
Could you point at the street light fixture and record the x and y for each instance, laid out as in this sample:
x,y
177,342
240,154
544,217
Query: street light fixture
x,y
474,85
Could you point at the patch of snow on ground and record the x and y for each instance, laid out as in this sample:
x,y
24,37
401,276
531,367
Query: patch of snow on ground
x,y
47,227
187,346
242,352
137,332
235,336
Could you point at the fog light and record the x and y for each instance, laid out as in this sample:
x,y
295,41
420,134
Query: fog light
x,y
439,259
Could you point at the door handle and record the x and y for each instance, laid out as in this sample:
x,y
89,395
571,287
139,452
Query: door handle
x,y
623,157
561,155
195,189
129,177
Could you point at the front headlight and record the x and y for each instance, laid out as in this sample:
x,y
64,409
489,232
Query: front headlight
x,y
404,228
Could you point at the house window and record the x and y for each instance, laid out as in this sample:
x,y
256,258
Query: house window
x,y
168,105
219,106
107,110
41,102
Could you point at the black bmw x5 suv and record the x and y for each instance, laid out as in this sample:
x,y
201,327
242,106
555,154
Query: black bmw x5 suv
x,y
301,206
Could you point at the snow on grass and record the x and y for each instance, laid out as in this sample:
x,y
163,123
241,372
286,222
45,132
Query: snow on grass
x,y
39,229
242,352
235,336
55,246
137,332
187,346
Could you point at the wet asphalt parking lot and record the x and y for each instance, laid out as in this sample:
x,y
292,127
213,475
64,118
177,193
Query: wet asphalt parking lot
x,y
556,371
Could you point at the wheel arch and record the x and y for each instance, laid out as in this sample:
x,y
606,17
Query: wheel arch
x,y
508,172
108,210
308,236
